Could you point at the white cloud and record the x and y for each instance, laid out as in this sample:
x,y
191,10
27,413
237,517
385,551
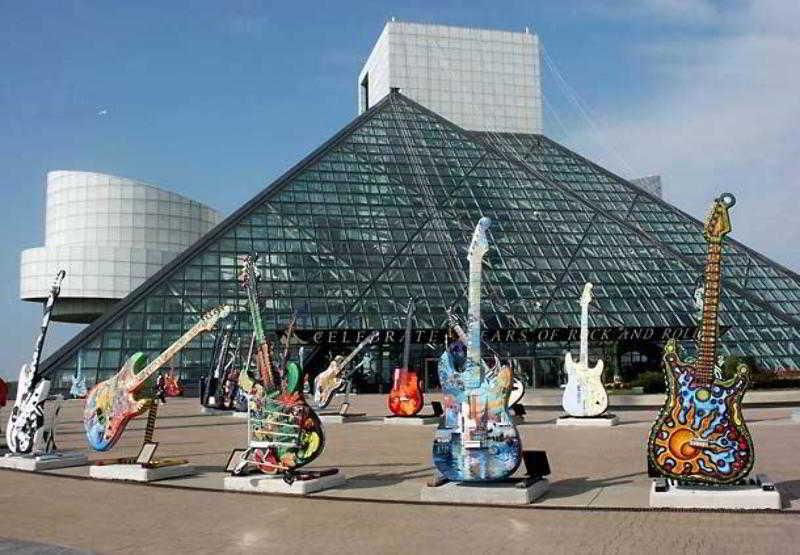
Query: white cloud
x,y
726,116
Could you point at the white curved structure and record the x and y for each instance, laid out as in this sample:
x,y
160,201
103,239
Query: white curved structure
x,y
110,234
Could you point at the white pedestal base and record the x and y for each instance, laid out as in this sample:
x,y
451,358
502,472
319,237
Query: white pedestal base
x,y
51,461
215,412
336,418
796,416
238,414
275,484
604,420
488,493
137,473
411,420
760,495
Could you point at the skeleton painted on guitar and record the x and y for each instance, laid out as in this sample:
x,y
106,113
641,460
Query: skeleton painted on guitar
x,y
700,434
333,378
585,395
31,427
476,439
284,433
111,404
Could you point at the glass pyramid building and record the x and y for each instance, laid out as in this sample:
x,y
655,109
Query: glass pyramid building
x,y
385,210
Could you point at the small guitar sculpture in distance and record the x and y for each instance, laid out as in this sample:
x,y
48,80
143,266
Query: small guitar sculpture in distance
x,y
26,425
476,439
700,434
332,379
111,404
78,388
405,397
585,394
284,433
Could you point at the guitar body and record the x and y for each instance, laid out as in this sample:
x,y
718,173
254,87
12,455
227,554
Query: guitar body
x,y
285,433
700,434
78,388
405,397
327,383
498,451
27,416
172,386
585,395
111,404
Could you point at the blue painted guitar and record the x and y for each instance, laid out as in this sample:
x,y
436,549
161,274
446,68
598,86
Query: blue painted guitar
x,y
476,440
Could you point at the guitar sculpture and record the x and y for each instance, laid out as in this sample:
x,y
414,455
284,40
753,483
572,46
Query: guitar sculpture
x,y
700,434
405,397
111,404
284,432
476,439
30,428
78,388
172,384
585,395
333,378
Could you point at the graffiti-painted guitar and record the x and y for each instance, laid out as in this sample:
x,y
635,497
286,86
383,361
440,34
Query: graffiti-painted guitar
x,y
700,434
28,429
476,439
284,433
333,378
585,394
111,404
405,397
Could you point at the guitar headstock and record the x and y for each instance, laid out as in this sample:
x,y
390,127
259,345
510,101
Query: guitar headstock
x,y
718,224
479,245
410,308
586,296
55,287
210,318
249,269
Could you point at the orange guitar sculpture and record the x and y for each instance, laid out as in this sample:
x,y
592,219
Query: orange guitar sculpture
x,y
111,404
405,398
700,435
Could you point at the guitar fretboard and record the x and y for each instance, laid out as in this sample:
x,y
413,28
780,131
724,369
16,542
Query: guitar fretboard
x,y
709,327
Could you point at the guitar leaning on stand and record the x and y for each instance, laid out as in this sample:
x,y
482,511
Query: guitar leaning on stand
x,y
700,434
284,433
585,394
111,404
476,439
405,397
31,428
333,378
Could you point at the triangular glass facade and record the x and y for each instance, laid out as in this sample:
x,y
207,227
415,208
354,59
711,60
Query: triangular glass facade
x,y
385,210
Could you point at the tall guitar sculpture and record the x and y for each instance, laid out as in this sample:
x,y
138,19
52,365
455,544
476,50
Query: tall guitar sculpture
x,y
333,378
476,439
405,397
700,434
111,404
585,395
284,432
30,426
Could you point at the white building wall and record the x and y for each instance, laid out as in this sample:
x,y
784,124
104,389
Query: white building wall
x,y
109,233
482,80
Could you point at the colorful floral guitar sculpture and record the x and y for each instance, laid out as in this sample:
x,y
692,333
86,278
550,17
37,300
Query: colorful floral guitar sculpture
x,y
476,440
111,404
700,434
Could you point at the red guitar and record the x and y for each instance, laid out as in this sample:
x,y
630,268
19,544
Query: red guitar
x,y
405,398
172,384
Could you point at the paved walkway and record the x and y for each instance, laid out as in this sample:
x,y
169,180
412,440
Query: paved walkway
x,y
600,471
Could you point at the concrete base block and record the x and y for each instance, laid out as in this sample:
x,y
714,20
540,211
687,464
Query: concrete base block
x,y
411,420
51,461
761,494
508,492
137,473
215,412
604,420
796,416
336,418
275,484
237,414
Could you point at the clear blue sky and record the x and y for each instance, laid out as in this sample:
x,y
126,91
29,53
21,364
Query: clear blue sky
x,y
213,99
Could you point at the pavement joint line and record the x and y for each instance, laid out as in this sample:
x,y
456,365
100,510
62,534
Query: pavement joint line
x,y
323,497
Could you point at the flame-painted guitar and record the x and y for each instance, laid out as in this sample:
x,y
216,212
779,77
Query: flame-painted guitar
x,y
476,439
585,395
284,433
111,404
333,378
405,397
28,427
172,384
700,434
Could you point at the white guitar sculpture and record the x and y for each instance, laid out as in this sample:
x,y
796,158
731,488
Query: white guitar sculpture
x,y
585,394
